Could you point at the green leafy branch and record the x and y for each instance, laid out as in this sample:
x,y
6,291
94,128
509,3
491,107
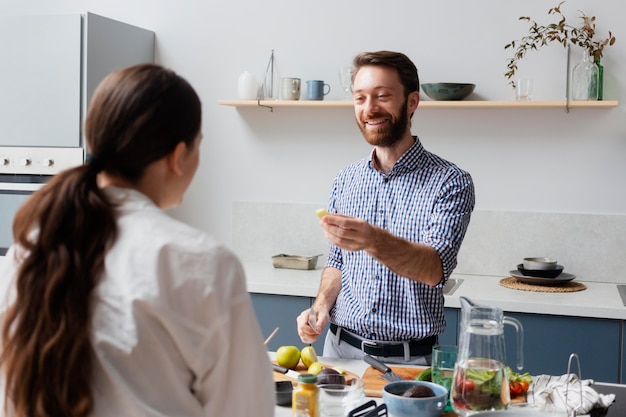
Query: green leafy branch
x,y
561,32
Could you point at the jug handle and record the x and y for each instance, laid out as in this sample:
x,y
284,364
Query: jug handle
x,y
520,339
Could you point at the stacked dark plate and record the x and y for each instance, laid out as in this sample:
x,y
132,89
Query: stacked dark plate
x,y
541,271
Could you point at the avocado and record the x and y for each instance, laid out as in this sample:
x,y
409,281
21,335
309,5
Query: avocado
x,y
330,376
419,391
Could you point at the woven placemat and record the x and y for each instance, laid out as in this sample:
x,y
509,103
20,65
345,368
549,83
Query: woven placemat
x,y
569,286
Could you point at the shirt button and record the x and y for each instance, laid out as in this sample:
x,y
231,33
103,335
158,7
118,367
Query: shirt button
x,y
374,310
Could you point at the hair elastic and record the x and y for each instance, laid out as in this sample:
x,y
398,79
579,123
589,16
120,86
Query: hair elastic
x,y
95,162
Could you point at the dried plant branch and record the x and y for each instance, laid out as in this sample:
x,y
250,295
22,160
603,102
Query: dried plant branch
x,y
561,32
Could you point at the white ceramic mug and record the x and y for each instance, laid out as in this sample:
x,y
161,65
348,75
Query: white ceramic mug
x,y
290,88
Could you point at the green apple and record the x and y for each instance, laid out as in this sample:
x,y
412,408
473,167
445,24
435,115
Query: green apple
x,y
288,356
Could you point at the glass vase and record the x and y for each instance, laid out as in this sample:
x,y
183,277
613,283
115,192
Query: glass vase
x,y
585,79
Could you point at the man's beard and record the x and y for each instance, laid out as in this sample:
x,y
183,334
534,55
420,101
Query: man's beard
x,y
387,136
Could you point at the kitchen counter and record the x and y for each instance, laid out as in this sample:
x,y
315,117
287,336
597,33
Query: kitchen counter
x,y
599,300
617,409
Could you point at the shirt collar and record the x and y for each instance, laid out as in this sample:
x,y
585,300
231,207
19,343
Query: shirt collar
x,y
408,162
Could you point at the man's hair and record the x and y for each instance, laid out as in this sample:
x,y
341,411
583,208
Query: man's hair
x,y
407,71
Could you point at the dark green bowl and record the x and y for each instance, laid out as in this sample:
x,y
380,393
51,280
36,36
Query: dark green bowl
x,y
448,91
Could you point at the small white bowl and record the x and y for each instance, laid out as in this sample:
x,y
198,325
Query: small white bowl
x,y
539,263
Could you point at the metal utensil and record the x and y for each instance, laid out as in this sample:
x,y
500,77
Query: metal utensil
x,y
369,409
388,374
312,319
287,372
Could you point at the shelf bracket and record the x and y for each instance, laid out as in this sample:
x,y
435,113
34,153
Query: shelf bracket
x,y
258,102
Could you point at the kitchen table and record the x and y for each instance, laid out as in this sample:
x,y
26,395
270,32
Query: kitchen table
x,y
617,409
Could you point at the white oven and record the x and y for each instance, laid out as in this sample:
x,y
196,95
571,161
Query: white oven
x,y
22,172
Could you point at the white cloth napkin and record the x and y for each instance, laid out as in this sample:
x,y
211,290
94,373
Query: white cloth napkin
x,y
552,391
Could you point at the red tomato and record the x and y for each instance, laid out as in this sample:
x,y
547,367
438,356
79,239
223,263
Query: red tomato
x,y
515,388
466,385
524,385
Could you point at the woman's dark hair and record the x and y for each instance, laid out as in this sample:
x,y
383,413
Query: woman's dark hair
x,y
137,116
407,71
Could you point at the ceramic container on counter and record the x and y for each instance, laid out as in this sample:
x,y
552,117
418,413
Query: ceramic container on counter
x,y
399,406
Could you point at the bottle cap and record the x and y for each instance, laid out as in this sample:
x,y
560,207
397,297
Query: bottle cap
x,y
307,378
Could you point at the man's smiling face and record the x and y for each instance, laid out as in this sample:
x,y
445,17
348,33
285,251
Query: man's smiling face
x,y
380,105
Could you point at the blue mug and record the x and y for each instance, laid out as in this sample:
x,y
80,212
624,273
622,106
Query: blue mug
x,y
316,90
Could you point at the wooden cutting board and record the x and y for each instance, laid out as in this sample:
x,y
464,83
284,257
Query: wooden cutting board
x,y
374,383
301,369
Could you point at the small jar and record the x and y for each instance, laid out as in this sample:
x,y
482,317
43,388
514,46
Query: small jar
x,y
306,397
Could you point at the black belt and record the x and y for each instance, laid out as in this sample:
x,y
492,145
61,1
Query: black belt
x,y
421,347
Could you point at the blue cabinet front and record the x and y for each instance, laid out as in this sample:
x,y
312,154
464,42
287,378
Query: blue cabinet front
x,y
281,311
550,340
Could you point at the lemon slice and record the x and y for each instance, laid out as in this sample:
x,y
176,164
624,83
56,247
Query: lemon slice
x,y
321,212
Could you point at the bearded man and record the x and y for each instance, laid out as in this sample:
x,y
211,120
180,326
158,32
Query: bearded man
x,y
396,223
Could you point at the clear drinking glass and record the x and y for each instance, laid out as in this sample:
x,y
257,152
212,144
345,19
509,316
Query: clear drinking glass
x,y
345,78
443,361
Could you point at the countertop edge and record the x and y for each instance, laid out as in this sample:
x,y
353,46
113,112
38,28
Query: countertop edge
x,y
598,300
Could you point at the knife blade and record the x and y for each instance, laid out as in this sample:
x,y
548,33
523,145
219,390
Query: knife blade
x,y
388,374
285,371
312,319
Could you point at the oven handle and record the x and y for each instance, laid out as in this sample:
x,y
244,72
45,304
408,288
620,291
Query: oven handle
x,y
20,186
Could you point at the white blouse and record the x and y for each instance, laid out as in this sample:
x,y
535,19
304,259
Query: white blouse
x,y
173,330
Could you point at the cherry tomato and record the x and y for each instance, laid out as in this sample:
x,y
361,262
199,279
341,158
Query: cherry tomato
x,y
466,385
515,388
524,385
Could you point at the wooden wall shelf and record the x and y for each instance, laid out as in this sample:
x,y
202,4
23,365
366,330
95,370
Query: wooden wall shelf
x,y
462,104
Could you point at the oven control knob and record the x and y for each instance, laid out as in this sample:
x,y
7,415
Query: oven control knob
x,y
47,162
4,161
25,162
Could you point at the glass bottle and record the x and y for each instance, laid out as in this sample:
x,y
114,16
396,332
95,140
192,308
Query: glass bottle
x,y
306,397
600,79
585,79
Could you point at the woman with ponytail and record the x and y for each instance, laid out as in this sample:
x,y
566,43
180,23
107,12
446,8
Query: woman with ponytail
x,y
109,307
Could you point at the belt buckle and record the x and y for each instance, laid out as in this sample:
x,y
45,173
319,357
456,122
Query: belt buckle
x,y
366,342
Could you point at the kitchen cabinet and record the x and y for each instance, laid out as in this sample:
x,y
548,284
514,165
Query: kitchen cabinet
x,y
622,363
462,104
450,335
281,311
549,340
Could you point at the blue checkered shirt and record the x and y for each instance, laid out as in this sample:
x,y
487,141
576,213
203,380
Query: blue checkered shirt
x,y
424,199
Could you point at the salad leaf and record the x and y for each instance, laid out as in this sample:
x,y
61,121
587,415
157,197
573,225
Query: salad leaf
x,y
517,377
479,376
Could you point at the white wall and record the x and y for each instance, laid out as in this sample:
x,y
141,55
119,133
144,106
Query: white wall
x,y
521,159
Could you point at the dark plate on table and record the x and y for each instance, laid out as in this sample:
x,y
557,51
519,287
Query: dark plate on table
x,y
541,273
561,279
